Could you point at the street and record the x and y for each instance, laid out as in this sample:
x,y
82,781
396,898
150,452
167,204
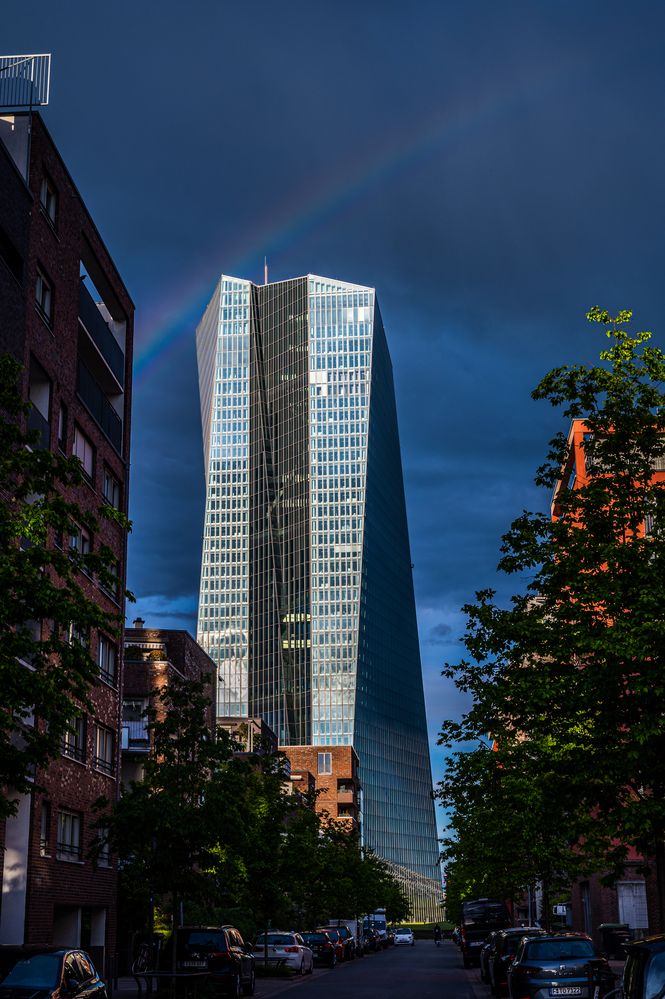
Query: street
x,y
397,973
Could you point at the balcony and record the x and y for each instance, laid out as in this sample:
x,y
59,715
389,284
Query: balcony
x,y
135,737
346,797
101,410
100,334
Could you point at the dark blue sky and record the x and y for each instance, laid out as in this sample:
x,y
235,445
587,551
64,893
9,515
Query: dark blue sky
x,y
493,169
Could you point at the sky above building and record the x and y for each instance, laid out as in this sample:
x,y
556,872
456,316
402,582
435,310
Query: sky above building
x,y
492,169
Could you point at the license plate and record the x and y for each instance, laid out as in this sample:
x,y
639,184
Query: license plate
x,y
194,964
567,990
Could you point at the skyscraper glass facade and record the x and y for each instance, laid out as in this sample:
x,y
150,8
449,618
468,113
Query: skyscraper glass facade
x,y
306,598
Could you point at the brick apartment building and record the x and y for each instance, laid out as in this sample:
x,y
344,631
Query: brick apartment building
x,y
153,657
634,899
68,318
334,770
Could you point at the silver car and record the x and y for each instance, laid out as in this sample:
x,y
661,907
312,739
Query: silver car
x,y
286,949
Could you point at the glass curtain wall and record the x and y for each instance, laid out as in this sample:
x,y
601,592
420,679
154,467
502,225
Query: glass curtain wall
x,y
223,347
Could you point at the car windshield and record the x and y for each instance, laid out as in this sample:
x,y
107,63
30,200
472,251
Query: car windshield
x,y
333,934
204,942
39,972
655,979
558,950
277,939
314,937
402,929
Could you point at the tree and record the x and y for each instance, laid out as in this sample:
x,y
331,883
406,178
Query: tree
x,y
569,678
46,671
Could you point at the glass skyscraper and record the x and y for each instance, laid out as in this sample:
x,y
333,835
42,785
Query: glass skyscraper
x,y
306,601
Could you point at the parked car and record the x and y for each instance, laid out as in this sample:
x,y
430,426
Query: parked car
x,y
479,917
557,965
390,937
343,943
45,973
371,939
404,935
285,950
484,957
502,953
644,970
322,948
222,952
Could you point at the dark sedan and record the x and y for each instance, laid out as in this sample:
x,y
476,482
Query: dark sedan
x,y
322,948
644,971
557,967
502,953
47,974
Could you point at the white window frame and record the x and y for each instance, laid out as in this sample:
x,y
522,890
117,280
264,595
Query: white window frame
x,y
324,764
84,450
69,840
104,759
107,653
44,296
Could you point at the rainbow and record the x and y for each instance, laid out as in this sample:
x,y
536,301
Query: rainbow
x,y
180,311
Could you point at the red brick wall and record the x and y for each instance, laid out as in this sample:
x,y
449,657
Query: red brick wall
x,y
344,768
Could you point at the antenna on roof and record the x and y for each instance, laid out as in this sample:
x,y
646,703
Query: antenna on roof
x,y
265,270
25,81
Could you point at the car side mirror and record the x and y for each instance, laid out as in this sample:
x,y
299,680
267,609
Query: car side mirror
x,y
248,949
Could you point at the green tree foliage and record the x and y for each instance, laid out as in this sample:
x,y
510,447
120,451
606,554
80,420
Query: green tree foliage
x,y
46,671
569,678
219,832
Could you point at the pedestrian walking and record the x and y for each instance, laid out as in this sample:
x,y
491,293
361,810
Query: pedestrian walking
x,y
437,935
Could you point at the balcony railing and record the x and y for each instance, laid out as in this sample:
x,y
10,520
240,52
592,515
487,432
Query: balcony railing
x,y
101,335
135,736
37,422
100,408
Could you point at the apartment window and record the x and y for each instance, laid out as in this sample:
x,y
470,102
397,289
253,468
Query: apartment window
x,y
45,830
78,633
111,489
104,850
68,846
107,654
79,540
111,585
62,427
104,759
85,452
48,199
324,763
44,297
73,742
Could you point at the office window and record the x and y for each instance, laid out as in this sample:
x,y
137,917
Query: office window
x,y
68,846
44,297
85,452
73,742
45,830
107,655
104,759
111,489
324,763
48,199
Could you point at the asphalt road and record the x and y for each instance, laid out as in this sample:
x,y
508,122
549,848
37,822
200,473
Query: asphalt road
x,y
397,973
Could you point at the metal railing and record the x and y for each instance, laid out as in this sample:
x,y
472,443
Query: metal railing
x,y
25,80
100,408
93,321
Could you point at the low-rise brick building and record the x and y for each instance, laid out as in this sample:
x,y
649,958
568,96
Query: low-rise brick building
x,y
335,772
153,657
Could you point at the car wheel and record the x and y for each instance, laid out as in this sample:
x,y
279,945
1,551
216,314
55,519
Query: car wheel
x,y
302,967
310,970
248,990
236,990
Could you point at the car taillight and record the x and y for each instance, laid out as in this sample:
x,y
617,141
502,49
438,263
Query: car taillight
x,y
291,950
327,946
